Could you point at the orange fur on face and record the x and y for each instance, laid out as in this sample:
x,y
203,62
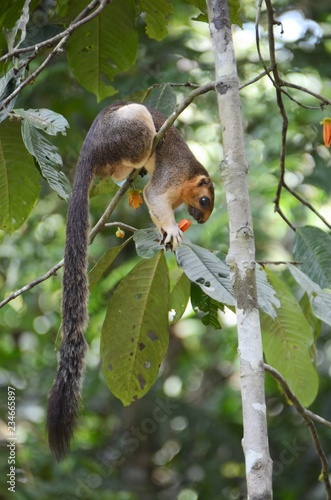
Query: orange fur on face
x,y
193,191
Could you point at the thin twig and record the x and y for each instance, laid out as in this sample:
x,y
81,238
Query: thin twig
x,y
279,262
254,80
58,48
318,419
79,21
26,288
276,80
126,227
324,100
278,83
307,204
308,420
112,205
268,70
180,108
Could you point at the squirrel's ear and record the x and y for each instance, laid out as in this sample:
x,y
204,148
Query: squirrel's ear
x,y
205,181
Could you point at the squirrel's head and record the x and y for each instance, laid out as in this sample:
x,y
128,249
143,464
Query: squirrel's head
x,y
198,196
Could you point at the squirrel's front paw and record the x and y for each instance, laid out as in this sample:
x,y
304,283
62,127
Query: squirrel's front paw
x,y
172,238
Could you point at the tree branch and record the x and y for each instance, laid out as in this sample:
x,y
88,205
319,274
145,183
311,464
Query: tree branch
x,y
253,80
29,286
307,416
280,103
63,37
278,83
50,41
307,204
324,100
126,227
180,108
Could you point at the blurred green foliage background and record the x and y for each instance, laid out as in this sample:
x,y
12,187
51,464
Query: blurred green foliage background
x,y
182,440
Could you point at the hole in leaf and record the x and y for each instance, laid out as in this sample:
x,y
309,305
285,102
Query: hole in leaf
x,y
88,48
141,346
137,296
109,367
147,364
141,380
200,280
152,336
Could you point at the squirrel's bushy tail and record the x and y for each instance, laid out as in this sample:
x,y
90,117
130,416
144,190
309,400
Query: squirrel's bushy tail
x,y
64,399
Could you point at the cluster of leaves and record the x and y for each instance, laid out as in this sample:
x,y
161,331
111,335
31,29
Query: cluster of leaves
x,y
133,346
17,140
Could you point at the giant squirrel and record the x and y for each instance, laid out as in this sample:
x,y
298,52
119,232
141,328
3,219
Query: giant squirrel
x,y
119,140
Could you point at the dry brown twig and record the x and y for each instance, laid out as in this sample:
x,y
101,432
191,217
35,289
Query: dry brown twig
x,y
279,85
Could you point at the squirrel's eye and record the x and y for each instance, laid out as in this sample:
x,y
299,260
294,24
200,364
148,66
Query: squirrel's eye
x,y
204,201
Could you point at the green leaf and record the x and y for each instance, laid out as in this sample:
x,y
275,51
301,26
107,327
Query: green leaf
x,y
312,246
10,12
104,185
287,343
19,178
315,323
20,25
48,158
163,98
156,14
179,295
206,270
62,7
234,8
8,84
134,336
266,295
147,242
201,302
320,300
102,266
202,6
45,119
104,47
212,275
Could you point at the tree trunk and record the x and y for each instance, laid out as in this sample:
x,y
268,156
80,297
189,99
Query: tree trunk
x,y
241,257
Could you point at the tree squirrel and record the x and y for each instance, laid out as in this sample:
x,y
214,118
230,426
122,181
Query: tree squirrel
x,y
119,140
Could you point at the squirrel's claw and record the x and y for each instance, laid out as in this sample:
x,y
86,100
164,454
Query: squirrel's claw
x,y
172,238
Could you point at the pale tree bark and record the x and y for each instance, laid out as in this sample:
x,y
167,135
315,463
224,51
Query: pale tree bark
x,y
241,257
